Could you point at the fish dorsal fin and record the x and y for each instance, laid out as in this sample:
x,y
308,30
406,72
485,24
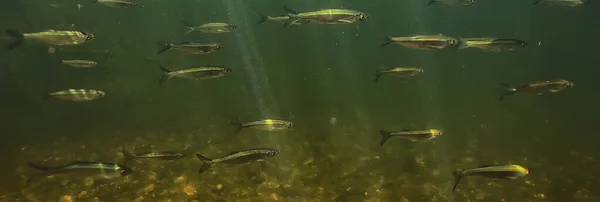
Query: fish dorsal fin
x,y
49,30
486,165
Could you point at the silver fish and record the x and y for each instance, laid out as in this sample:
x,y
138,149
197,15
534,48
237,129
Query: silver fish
x,y
215,28
510,172
413,135
52,37
566,3
239,157
85,169
539,87
191,47
195,73
78,95
79,63
117,3
266,125
400,72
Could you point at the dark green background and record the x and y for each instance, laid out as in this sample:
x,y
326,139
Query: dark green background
x,y
309,74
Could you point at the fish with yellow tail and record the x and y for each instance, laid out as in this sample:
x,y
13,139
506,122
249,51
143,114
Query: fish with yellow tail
x,y
492,171
539,87
413,135
492,44
51,37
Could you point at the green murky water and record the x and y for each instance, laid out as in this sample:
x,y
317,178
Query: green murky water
x,y
306,74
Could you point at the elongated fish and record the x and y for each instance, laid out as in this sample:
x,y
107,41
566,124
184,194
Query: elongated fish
x,y
162,155
239,157
215,27
116,3
539,87
77,95
326,16
52,37
79,63
452,2
400,72
280,19
266,125
489,171
195,73
85,169
492,44
566,3
423,42
413,135
191,47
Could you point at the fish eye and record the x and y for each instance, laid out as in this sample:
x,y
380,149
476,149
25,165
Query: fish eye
x,y
362,17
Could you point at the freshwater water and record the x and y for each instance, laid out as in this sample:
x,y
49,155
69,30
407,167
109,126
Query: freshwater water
x,y
318,76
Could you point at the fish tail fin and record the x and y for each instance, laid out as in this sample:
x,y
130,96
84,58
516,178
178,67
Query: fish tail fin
x,y
190,27
127,154
166,76
457,176
378,73
385,135
386,41
462,43
537,2
239,125
163,47
190,30
18,37
207,162
60,62
509,91
38,167
293,16
431,2
262,19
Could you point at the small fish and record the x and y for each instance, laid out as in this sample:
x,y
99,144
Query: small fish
x,y
492,44
280,19
266,125
326,16
452,2
164,155
191,47
239,157
79,63
195,73
116,3
567,3
489,171
413,135
85,169
215,28
539,87
78,95
52,37
423,42
400,72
